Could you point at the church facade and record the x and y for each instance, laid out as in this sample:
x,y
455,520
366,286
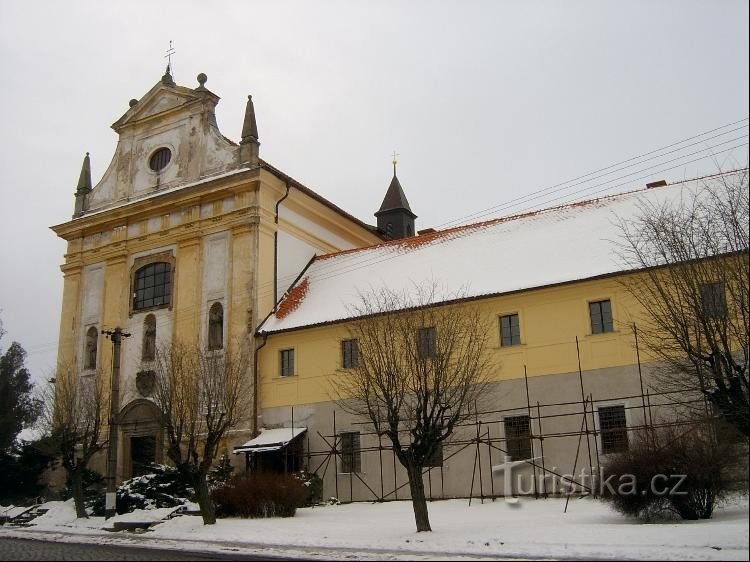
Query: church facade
x,y
187,236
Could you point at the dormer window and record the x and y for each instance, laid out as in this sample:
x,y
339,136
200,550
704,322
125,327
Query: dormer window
x,y
160,159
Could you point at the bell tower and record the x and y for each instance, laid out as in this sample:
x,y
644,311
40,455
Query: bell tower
x,y
395,217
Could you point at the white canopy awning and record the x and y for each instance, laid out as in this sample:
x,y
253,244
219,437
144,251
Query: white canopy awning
x,y
270,440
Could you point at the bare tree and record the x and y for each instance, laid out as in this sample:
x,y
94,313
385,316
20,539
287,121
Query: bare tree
x,y
74,413
421,366
201,395
693,284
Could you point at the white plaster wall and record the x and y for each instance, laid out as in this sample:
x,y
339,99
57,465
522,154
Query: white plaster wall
x,y
145,179
130,359
293,256
215,278
91,307
314,229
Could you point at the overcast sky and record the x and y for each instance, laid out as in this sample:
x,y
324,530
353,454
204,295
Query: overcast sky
x,y
485,102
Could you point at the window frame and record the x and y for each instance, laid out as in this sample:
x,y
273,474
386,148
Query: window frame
x,y
510,315
606,449
353,353
427,346
146,327
293,371
210,345
354,452
518,443
432,460
610,326
89,365
716,308
143,261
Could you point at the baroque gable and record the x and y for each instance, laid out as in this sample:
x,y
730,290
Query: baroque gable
x,y
166,139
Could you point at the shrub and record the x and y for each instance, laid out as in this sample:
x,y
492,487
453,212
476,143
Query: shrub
x,y
667,473
161,487
314,486
20,472
260,494
221,473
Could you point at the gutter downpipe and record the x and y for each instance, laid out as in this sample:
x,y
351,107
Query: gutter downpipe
x,y
256,378
276,247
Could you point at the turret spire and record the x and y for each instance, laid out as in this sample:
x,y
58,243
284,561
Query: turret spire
x,y
84,187
249,144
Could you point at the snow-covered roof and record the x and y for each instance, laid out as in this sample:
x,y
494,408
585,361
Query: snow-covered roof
x,y
270,440
571,242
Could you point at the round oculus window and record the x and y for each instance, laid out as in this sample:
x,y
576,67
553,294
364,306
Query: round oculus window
x,y
160,159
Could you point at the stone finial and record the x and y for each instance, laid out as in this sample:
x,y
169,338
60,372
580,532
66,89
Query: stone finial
x,y
132,102
202,79
84,180
249,126
249,143
167,79
84,187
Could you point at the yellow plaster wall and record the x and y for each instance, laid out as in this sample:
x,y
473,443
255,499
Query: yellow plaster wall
x,y
69,324
187,291
550,320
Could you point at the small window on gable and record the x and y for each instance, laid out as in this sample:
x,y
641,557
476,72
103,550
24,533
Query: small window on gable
x,y
351,460
152,286
613,429
160,159
601,316
148,347
427,342
287,362
510,330
713,300
92,342
349,354
216,326
518,437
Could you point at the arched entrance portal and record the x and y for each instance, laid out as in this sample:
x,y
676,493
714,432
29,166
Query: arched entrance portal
x,y
142,437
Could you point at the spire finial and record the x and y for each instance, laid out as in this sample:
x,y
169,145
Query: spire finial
x,y
395,161
167,78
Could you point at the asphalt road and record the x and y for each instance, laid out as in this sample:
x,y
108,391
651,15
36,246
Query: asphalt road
x,y
28,549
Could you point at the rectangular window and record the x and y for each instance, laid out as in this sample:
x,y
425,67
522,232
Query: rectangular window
x,y
435,460
713,300
350,454
510,330
518,437
287,362
601,316
613,429
349,354
427,342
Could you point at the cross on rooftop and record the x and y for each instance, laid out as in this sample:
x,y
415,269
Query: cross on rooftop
x,y
169,54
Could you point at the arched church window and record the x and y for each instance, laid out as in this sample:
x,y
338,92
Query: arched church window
x,y
152,286
92,338
389,229
216,326
148,349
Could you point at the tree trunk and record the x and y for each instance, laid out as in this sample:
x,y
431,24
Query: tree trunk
x,y
77,483
208,510
418,500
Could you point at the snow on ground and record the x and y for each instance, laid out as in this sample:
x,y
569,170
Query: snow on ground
x,y
531,528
